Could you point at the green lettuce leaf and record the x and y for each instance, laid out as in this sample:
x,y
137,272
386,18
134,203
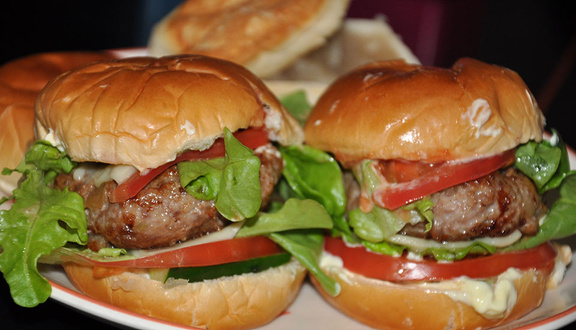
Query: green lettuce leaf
x,y
422,211
202,178
294,214
295,224
82,255
546,163
297,227
306,247
297,104
314,174
384,247
42,156
376,225
342,229
40,220
539,161
560,221
379,224
233,182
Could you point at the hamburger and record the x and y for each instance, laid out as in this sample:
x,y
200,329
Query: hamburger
x,y
153,181
448,195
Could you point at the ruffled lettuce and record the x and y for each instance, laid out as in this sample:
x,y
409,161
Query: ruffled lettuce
x,y
40,220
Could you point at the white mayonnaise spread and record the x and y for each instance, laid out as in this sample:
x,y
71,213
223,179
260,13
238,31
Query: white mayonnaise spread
x,y
489,298
478,114
554,139
225,233
329,260
423,244
100,174
563,259
273,120
54,141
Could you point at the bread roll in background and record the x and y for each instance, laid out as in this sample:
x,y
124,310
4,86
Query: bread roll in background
x,y
279,40
20,82
357,42
265,36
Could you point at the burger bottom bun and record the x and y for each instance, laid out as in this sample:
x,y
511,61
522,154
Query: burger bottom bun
x,y
241,301
386,305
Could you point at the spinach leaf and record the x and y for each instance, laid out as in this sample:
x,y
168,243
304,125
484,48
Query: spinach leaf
x,y
233,182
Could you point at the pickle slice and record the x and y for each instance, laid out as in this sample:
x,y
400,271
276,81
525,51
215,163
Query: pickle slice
x,y
197,274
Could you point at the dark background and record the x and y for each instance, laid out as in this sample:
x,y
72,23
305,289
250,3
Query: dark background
x,y
536,38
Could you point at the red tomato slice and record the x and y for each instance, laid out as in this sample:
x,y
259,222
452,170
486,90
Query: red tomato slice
x,y
394,195
384,267
252,138
398,171
208,254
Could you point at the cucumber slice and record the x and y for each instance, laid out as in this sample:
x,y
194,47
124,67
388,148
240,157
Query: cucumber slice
x,y
158,274
256,265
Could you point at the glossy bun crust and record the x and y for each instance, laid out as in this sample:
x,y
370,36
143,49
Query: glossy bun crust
x,y
235,302
395,110
20,82
386,305
144,111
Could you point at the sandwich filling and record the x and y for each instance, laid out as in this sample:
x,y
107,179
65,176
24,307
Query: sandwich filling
x,y
163,213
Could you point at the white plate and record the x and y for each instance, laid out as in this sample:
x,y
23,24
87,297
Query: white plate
x,y
310,311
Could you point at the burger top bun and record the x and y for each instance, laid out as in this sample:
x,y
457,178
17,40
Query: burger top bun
x,y
264,35
144,111
20,82
418,113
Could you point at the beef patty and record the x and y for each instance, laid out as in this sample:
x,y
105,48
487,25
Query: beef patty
x,y
162,213
492,206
